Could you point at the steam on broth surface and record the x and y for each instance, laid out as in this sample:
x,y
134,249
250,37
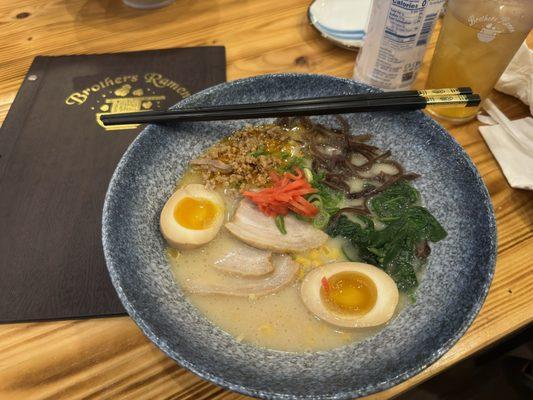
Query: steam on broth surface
x,y
300,200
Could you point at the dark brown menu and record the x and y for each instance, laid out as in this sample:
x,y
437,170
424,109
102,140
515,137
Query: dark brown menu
x,y
56,160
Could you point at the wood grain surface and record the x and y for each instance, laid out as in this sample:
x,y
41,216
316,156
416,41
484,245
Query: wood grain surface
x,y
110,358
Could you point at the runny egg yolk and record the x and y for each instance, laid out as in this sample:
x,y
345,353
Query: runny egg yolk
x,y
349,293
195,213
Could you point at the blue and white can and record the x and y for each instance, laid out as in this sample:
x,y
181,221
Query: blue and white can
x,y
395,43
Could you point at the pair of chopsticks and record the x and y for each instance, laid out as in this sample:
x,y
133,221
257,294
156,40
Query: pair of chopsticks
x,y
387,101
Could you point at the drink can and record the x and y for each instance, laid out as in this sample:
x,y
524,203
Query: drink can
x,y
397,37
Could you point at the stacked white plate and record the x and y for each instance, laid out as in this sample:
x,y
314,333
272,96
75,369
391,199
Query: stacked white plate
x,y
344,22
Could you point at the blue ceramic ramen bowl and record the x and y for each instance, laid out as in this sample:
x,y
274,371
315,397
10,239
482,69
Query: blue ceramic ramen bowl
x,y
450,295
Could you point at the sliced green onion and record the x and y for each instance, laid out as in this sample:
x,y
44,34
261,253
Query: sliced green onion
x,y
280,223
301,218
321,220
308,175
261,151
316,200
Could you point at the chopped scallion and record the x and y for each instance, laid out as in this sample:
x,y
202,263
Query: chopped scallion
x,y
280,223
321,220
308,175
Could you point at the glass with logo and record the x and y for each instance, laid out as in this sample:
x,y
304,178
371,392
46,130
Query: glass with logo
x,y
477,41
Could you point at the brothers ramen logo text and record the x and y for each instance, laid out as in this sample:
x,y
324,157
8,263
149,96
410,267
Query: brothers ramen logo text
x,y
126,93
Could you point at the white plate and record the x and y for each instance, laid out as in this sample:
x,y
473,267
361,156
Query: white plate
x,y
344,22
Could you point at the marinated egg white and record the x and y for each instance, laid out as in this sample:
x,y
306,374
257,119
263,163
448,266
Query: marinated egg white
x,y
192,216
350,294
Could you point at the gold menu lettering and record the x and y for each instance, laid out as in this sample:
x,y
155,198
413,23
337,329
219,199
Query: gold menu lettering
x,y
126,93
160,81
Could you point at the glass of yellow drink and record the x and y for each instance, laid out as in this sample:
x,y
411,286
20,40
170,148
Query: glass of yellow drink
x,y
477,40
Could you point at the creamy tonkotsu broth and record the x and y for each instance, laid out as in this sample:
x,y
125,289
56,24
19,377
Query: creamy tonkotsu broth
x,y
296,281
278,321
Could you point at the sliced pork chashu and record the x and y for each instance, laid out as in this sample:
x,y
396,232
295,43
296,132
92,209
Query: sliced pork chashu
x,y
258,230
285,271
245,260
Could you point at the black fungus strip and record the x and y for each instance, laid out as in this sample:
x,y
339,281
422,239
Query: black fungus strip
x,y
394,178
332,150
360,138
341,186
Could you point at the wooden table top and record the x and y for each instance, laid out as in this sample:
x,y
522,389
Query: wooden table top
x,y
109,357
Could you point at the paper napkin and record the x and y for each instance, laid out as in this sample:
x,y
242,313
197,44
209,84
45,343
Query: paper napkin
x,y
514,158
517,80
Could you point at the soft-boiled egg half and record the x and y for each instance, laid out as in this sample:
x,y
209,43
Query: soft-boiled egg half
x,y
350,294
192,216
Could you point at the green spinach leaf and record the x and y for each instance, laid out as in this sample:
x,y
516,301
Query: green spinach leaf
x,y
392,248
391,203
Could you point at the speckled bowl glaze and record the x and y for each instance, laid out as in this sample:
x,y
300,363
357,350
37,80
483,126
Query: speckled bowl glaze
x,y
450,295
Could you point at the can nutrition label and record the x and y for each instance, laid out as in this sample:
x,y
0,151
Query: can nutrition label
x,y
397,37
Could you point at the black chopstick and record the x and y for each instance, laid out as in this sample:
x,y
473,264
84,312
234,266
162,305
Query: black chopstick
x,y
301,107
335,99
